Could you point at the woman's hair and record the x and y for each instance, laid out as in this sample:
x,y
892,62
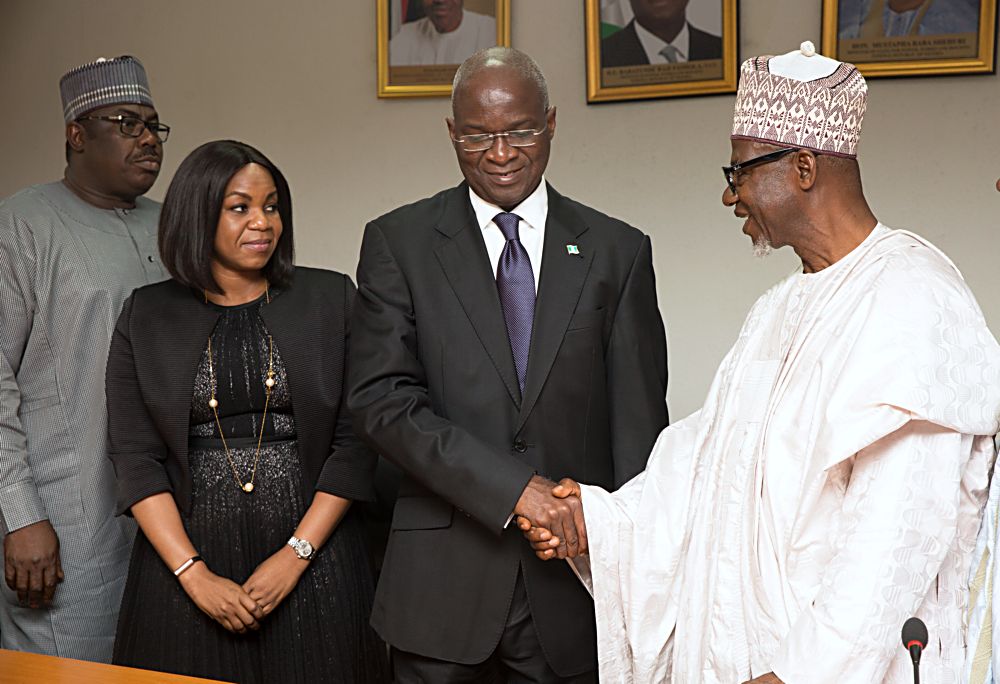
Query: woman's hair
x,y
191,210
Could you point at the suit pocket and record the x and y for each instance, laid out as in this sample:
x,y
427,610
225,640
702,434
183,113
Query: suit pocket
x,y
421,513
586,319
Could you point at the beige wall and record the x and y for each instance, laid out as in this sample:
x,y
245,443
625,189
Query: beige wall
x,y
297,79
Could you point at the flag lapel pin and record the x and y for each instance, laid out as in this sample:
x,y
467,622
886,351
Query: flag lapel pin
x,y
573,250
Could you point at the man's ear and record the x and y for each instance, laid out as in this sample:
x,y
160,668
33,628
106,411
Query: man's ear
x,y
806,169
76,136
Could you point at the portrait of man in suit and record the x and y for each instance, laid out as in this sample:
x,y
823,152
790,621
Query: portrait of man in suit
x,y
503,335
659,33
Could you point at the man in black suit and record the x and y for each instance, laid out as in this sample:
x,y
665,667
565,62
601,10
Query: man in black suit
x,y
659,34
479,387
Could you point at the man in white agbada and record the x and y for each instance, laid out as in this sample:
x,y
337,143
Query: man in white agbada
x,y
982,664
833,483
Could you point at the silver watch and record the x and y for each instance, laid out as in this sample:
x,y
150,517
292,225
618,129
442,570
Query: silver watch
x,y
303,549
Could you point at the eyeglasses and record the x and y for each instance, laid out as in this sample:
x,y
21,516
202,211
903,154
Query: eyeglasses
x,y
132,127
480,142
731,171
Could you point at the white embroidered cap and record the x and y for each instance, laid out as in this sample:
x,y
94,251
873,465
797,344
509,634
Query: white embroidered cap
x,y
801,99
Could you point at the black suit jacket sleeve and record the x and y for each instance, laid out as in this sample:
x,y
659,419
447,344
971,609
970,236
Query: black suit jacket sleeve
x,y
349,470
390,401
134,444
637,370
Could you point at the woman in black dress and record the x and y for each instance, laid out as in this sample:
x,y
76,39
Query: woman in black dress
x,y
232,446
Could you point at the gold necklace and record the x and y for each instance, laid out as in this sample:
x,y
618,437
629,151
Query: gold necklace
x,y
214,405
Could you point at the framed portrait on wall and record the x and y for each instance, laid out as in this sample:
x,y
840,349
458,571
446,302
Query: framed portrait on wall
x,y
420,43
912,37
642,49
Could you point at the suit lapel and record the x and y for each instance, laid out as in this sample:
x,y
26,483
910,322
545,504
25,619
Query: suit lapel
x,y
559,287
466,264
178,327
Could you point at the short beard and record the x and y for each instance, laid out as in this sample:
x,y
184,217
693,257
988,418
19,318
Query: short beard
x,y
761,247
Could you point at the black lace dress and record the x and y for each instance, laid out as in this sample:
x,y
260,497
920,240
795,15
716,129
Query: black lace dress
x,y
320,633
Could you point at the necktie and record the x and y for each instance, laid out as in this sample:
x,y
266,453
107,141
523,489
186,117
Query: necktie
x,y
516,285
670,53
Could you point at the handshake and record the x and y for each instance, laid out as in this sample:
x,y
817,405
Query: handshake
x,y
550,516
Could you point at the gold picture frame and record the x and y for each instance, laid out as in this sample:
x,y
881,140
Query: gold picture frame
x,y
924,38
402,76
621,64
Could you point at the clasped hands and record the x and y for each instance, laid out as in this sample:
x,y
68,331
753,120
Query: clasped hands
x,y
550,516
239,608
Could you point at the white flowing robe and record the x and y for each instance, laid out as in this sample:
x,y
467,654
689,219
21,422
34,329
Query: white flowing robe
x,y
983,631
831,486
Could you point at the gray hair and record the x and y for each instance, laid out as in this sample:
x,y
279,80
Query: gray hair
x,y
500,56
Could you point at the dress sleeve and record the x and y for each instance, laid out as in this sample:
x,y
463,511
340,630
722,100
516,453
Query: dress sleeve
x,y
900,518
135,446
349,470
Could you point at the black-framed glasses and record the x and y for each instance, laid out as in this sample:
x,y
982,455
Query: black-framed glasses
x,y
133,126
730,171
480,142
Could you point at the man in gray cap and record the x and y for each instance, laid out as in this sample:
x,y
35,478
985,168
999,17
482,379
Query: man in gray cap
x,y
70,253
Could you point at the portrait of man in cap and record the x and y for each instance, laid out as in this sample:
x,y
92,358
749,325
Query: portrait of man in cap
x,y
71,251
442,32
872,19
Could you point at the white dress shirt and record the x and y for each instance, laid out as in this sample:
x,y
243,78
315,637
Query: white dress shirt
x,y
534,210
653,45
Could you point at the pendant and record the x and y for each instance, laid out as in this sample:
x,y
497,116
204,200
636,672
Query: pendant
x,y
248,487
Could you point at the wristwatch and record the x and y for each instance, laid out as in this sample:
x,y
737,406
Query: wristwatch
x,y
303,549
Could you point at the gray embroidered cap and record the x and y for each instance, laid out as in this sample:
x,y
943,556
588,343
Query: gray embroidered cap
x,y
121,80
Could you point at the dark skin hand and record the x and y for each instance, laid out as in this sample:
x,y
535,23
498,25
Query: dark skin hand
x,y
31,563
769,678
221,599
563,537
274,579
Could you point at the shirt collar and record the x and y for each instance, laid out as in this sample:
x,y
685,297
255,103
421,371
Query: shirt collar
x,y
652,44
533,210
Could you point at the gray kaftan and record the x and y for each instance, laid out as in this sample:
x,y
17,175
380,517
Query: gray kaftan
x,y
66,267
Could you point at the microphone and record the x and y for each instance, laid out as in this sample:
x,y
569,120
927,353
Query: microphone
x,y
915,641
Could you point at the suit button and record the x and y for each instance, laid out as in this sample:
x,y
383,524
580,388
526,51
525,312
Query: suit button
x,y
519,446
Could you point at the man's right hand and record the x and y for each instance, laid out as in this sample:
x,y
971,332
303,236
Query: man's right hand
x,y
31,564
556,508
